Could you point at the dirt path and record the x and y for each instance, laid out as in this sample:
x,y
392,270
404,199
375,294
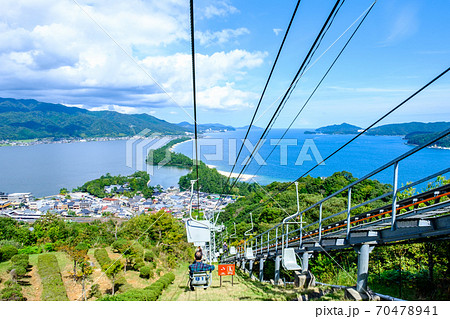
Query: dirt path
x,y
33,289
73,288
242,289
98,277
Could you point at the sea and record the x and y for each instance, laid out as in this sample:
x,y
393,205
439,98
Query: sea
x,y
299,152
44,169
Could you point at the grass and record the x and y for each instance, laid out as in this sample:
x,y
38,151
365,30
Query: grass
x,y
243,289
49,271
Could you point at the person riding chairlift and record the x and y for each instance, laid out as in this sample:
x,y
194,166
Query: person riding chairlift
x,y
198,265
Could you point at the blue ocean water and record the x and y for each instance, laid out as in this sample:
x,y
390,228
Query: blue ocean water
x,y
360,157
46,168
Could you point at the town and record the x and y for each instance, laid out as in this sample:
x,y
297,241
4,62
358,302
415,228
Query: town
x,y
84,207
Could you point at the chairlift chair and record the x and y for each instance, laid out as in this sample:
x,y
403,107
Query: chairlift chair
x,y
289,260
249,253
251,229
200,280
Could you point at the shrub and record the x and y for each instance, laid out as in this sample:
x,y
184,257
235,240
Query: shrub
x,y
20,260
7,251
150,293
52,284
94,291
102,257
146,272
29,250
14,243
12,292
172,261
120,245
139,264
48,247
20,271
133,295
159,271
149,256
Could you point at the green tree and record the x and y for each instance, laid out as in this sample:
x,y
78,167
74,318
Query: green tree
x,y
112,270
77,254
85,271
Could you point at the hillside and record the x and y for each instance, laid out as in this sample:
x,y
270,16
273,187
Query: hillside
x,y
419,138
416,133
408,128
28,119
343,128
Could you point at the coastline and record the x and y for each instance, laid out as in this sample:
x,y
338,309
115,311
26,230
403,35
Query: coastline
x,y
243,177
172,148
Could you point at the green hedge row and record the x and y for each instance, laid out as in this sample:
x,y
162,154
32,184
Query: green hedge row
x,y
7,251
150,293
52,284
102,257
12,292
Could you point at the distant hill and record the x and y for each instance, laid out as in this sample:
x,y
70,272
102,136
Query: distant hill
x,y
207,127
408,128
29,119
254,127
416,133
419,138
343,128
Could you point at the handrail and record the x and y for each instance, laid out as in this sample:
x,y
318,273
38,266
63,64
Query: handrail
x,y
348,188
251,229
382,168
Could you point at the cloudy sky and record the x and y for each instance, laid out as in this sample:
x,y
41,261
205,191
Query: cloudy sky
x,y
134,57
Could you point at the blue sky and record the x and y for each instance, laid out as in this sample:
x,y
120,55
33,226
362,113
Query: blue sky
x,y
108,55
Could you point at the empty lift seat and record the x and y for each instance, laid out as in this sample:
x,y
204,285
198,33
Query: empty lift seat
x,y
289,260
232,250
249,253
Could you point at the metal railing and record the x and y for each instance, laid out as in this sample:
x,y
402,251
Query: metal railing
x,y
276,236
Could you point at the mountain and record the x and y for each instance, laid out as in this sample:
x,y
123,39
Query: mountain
x,y
28,119
408,128
343,128
254,127
419,138
416,133
207,127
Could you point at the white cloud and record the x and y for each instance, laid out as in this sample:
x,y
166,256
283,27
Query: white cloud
x,y
53,50
220,8
117,108
405,24
220,37
277,31
214,74
226,98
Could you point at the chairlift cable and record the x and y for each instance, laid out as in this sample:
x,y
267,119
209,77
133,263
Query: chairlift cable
x,y
262,94
317,86
191,10
359,134
311,51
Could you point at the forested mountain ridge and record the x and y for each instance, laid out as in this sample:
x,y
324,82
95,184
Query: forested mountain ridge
x,y
416,133
408,128
28,119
